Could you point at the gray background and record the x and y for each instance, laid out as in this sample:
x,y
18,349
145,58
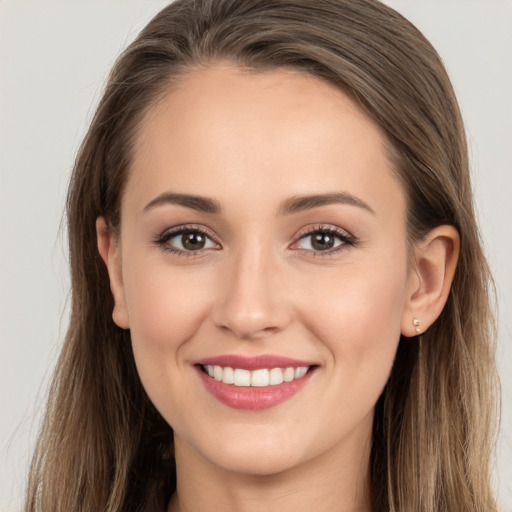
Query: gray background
x,y
54,58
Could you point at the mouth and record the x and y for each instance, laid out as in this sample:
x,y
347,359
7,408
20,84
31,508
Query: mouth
x,y
262,377
254,383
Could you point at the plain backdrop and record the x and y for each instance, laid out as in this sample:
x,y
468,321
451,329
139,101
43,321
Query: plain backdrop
x,y
54,58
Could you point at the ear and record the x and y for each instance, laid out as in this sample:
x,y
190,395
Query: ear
x,y
108,247
431,279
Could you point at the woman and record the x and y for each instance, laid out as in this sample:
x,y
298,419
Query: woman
x,y
279,295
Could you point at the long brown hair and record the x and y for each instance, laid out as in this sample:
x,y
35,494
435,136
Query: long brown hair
x,y
103,446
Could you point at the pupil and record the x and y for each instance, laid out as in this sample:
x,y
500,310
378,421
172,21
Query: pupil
x,y
323,241
193,241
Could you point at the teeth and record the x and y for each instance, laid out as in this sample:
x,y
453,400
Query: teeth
x,y
228,375
300,372
257,378
275,376
242,377
217,373
288,374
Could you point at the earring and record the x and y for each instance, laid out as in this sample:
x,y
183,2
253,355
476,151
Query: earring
x,y
417,323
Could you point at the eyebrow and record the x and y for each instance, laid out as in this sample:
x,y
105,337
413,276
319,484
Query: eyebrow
x,y
298,204
199,203
293,205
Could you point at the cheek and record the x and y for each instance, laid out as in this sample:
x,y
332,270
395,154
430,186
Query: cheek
x,y
165,309
356,314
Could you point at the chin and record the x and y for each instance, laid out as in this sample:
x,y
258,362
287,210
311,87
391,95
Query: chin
x,y
257,464
258,454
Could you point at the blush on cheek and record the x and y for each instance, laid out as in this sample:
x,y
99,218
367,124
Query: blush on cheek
x,y
161,328
359,321
168,301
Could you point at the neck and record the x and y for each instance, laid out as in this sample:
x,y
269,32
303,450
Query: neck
x,y
337,480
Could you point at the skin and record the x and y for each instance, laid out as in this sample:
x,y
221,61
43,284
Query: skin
x,y
251,141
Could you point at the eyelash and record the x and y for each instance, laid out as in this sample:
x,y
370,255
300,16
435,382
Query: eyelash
x,y
347,240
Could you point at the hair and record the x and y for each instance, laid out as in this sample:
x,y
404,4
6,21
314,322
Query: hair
x,y
103,446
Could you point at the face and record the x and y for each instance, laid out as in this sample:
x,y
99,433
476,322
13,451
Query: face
x,y
262,241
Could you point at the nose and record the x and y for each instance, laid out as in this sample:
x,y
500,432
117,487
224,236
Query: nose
x,y
251,301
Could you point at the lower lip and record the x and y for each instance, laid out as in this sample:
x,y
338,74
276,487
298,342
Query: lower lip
x,y
253,398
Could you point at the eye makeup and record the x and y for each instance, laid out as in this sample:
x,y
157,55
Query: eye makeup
x,y
195,240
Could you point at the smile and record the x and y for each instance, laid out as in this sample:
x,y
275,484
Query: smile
x,y
262,377
254,383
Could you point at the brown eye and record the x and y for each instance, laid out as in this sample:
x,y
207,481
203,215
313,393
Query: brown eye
x,y
322,241
193,241
185,240
325,240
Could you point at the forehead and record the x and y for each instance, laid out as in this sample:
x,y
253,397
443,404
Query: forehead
x,y
227,132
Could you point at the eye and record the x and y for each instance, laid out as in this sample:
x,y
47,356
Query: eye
x,y
185,240
325,239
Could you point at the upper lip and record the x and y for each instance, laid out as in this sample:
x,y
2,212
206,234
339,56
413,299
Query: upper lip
x,y
254,362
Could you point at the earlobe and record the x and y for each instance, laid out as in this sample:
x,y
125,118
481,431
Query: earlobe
x,y
436,260
109,252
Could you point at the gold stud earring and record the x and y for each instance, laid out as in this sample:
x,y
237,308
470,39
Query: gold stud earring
x,y
417,324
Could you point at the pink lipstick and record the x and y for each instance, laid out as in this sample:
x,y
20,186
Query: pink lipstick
x,y
254,383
